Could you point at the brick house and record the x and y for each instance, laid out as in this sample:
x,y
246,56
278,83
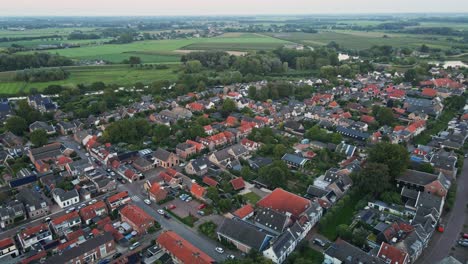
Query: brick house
x,y
35,234
137,218
165,159
181,250
185,150
157,193
117,200
63,224
8,248
87,213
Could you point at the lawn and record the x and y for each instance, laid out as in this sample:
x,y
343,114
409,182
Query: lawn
x,y
42,32
363,40
110,74
164,51
339,216
252,197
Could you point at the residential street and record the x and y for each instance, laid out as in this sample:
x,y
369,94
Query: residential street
x,y
199,240
441,243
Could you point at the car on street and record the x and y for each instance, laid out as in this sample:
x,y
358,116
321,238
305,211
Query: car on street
x,y
69,210
231,257
188,199
147,201
117,255
161,212
319,242
81,206
219,250
167,216
463,243
134,245
465,235
47,219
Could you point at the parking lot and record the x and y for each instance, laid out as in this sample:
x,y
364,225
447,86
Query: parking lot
x,y
184,209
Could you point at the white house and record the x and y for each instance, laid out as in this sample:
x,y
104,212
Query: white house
x,y
65,198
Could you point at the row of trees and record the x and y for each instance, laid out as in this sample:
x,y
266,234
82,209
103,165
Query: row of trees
x,y
12,62
41,75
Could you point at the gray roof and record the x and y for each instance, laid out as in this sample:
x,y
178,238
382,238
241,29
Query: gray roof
x,y
315,191
87,246
294,159
350,254
244,233
65,195
417,177
271,219
161,154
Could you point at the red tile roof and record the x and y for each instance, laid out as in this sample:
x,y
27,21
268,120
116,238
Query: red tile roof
x,y
244,211
197,190
367,119
231,121
429,92
62,160
210,181
117,196
333,104
116,234
182,249
158,192
33,230
65,217
198,146
7,242
76,234
89,212
283,201
136,215
196,106
392,254
237,183
39,255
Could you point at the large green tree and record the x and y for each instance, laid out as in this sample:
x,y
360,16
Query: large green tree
x,y
394,156
38,137
373,179
17,125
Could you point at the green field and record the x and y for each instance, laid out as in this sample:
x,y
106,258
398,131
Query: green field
x,y
111,74
363,40
164,51
42,32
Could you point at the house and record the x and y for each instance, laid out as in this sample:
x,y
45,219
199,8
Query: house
x,y
97,209
392,255
42,103
198,166
445,162
142,164
89,251
294,161
11,212
63,224
138,219
8,248
117,200
343,252
65,198
244,212
249,144
34,203
352,133
34,234
197,191
210,181
157,193
271,220
424,182
37,125
237,183
284,244
243,235
68,128
185,150
165,159
346,149
181,250
42,155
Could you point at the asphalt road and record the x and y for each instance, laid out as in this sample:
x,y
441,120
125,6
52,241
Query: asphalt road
x,y
199,240
441,243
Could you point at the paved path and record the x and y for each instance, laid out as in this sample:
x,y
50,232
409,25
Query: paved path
x,y
441,243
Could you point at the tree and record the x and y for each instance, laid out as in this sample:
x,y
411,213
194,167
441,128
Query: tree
x,y
411,76
252,92
344,232
193,66
17,125
394,156
161,132
134,60
360,237
426,167
229,106
391,197
383,115
373,179
38,137
279,150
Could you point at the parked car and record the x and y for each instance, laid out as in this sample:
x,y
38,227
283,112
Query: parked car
x,y
465,235
319,242
188,199
147,201
463,243
71,209
134,245
200,212
231,257
167,216
201,206
47,219
117,255
161,212
170,207
219,250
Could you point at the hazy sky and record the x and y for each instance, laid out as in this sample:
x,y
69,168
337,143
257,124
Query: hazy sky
x,y
223,7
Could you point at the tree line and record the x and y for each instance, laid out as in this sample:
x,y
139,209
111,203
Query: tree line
x,y
12,62
41,75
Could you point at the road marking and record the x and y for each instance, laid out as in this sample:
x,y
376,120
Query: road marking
x,y
136,198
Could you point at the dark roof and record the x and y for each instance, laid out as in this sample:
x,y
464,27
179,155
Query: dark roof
x,y
161,154
66,195
86,246
350,254
294,159
244,233
271,219
417,177
352,133
315,191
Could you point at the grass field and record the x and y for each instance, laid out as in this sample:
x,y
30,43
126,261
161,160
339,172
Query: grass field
x,y
42,32
163,51
112,74
363,40
252,197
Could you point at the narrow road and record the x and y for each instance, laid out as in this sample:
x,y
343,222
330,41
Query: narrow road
x,y
199,240
441,243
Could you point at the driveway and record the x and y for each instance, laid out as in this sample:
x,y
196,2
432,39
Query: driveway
x,y
441,243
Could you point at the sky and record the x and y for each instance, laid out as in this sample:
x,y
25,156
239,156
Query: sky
x,y
223,7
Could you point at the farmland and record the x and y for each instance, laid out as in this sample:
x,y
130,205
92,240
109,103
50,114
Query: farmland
x,y
111,74
164,51
363,40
